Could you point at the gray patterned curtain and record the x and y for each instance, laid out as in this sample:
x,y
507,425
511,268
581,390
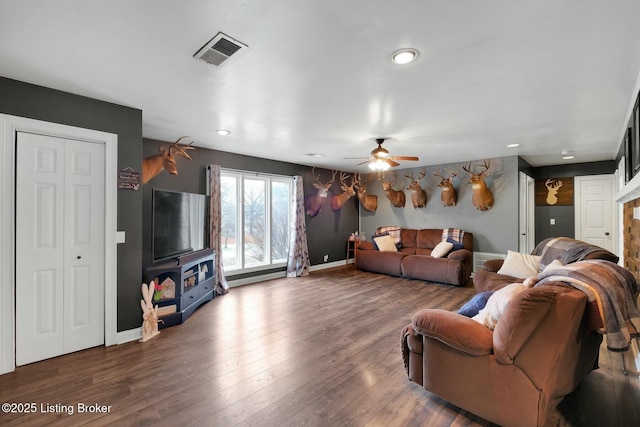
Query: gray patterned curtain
x,y
298,262
215,227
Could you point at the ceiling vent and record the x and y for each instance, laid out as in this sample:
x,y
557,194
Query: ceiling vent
x,y
220,49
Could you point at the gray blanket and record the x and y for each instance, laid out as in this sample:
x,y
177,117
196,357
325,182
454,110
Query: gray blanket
x,y
613,288
564,249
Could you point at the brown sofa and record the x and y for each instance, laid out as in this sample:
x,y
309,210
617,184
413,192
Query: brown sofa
x,y
515,375
565,249
413,259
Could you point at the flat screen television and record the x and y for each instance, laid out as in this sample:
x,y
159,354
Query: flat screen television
x,y
180,223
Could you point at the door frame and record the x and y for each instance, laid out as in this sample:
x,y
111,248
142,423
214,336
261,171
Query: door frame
x,y
577,197
9,126
526,205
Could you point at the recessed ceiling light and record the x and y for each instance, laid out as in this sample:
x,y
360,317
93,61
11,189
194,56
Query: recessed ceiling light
x,y
404,56
513,145
223,132
568,157
314,155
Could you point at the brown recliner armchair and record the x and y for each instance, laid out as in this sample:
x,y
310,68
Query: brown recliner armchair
x,y
540,350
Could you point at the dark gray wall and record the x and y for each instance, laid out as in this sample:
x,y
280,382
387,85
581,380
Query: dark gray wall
x,y
495,230
564,215
327,232
40,103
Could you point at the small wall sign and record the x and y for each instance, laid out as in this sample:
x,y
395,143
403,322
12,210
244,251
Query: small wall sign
x,y
554,192
128,179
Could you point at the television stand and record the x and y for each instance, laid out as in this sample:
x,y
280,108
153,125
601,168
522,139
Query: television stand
x,y
185,284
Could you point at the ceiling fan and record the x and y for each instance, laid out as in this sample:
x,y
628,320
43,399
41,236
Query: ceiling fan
x,y
380,158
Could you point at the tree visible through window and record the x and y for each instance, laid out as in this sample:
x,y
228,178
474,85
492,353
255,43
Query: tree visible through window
x,y
255,220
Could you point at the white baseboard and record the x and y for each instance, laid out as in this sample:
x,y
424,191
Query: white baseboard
x,y
255,279
281,274
128,336
329,265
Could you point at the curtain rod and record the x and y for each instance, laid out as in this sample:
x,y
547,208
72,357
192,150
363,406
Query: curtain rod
x,y
253,172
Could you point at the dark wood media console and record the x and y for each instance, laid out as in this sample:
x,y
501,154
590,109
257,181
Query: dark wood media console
x,y
185,284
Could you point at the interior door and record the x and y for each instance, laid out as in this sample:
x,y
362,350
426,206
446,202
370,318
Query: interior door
x,y
526,213
59,246
595,217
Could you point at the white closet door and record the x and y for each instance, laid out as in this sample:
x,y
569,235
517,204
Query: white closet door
x,y
59,246
595,210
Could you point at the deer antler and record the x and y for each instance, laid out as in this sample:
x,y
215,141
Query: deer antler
x,y
317,178
553,184
485,164
181,148
423,173
451,173
343,177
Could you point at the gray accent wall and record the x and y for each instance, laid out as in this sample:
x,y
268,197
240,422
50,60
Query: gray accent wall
x,y
327,232
494,230
41,103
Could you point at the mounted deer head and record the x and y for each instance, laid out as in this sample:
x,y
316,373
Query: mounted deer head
x,y
449,195
348,191
153,165
482,196
315,202
367,201
396,197
553,185
418,195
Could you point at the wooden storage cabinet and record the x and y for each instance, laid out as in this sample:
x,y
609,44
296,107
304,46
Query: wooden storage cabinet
x,y
185,284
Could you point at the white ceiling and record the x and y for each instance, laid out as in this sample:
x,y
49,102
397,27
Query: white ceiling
x,y
317,77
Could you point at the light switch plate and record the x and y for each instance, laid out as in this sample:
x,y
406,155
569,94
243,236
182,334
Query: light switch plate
x,y
120,237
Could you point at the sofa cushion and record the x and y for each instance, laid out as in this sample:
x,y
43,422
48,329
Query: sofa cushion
x,y
441,270
475,304
408,239
381,262
520,265
427,239
385,244
441,249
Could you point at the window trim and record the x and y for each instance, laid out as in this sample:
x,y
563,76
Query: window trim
x,y
269,179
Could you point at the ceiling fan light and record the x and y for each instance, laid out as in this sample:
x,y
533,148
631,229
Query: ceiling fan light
x,y
379,165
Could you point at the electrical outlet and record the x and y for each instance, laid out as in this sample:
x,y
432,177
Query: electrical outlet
x,y
326,258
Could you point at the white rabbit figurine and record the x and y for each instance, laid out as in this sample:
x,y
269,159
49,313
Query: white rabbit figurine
x,y
149,313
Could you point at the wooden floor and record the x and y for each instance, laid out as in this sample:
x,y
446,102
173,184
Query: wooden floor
x,y
323,350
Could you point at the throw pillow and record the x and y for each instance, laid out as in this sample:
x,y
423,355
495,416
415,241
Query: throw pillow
x,y
475,304
373,239
385,244
520,265
441,249
497,305
456,245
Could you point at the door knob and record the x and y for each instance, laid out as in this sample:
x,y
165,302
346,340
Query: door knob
x,y
78,257
606,233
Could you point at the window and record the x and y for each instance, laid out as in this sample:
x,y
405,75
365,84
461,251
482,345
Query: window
x,y
256,213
